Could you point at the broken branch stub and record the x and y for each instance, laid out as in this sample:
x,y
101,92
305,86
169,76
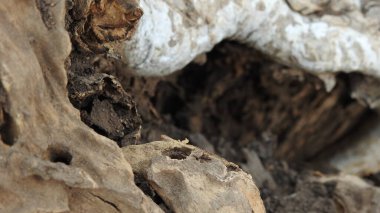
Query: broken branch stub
x,y
172,33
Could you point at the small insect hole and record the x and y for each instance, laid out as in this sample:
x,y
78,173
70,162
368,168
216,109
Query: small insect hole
x,y
178,153
60,155
203,158
7,129
233,168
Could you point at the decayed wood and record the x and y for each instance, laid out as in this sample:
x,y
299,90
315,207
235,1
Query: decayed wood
x,y
243,98
95,24
324,123
357,154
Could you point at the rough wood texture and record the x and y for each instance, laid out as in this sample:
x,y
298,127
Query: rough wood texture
x,y
318,36
50,161
189,179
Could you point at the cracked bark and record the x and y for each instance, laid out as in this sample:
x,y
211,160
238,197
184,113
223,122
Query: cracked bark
x,y
114,206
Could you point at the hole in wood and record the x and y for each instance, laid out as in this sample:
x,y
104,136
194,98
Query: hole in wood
x,y
178,153
7,130
60,155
